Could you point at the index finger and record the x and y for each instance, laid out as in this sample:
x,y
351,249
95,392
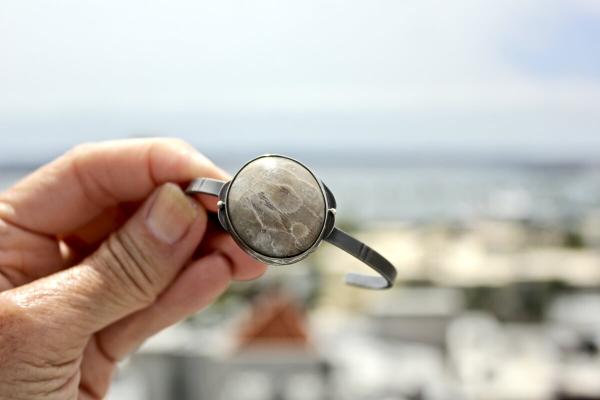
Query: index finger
x,y
70,191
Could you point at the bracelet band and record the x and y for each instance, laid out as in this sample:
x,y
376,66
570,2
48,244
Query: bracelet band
x,y
335,236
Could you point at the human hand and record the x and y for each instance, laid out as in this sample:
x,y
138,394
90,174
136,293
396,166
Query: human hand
x,y
97,253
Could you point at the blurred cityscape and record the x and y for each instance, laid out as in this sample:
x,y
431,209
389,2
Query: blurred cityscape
x,y
498,296
461,140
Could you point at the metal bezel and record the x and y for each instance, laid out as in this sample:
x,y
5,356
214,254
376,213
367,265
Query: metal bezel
x,y
327,226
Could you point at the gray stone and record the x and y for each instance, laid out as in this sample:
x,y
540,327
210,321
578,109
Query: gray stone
x,y
276,207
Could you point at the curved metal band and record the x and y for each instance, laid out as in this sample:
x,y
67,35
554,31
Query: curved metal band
x,y
205,186
364,253
337,237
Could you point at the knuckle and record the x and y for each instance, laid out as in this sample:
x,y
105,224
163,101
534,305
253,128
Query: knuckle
x,y
176,156
131,269
175,142
80,149
76,159
170,146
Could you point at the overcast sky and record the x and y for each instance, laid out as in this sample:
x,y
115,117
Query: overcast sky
x,y
490,77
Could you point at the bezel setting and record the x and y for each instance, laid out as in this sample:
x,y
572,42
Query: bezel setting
x,y
326,227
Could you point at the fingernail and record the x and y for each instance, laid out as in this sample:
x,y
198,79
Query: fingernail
x,y
171,214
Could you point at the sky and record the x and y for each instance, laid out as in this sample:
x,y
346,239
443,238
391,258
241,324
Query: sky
x,y
487,78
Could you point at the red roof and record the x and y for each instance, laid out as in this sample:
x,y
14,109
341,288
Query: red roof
x,y
274,318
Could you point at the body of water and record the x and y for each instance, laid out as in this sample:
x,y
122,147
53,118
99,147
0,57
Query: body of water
x,y
421,193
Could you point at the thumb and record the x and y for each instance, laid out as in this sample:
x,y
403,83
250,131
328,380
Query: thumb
x,y
129,270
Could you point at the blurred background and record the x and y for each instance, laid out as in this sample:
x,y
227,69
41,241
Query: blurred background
x,y
461,139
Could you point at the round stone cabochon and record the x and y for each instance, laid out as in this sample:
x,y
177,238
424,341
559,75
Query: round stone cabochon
x,y
276,207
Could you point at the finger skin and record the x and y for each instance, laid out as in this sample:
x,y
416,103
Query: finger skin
x,y
96,371
126,274
25,256
93,177
62,330
89,237
244,267
197,286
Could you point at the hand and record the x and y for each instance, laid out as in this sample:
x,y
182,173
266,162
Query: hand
x,y
96,255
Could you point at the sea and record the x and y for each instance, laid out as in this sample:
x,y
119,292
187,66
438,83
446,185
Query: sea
x,y
382,192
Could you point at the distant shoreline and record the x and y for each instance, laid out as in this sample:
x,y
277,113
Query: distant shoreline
x,y
367,159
